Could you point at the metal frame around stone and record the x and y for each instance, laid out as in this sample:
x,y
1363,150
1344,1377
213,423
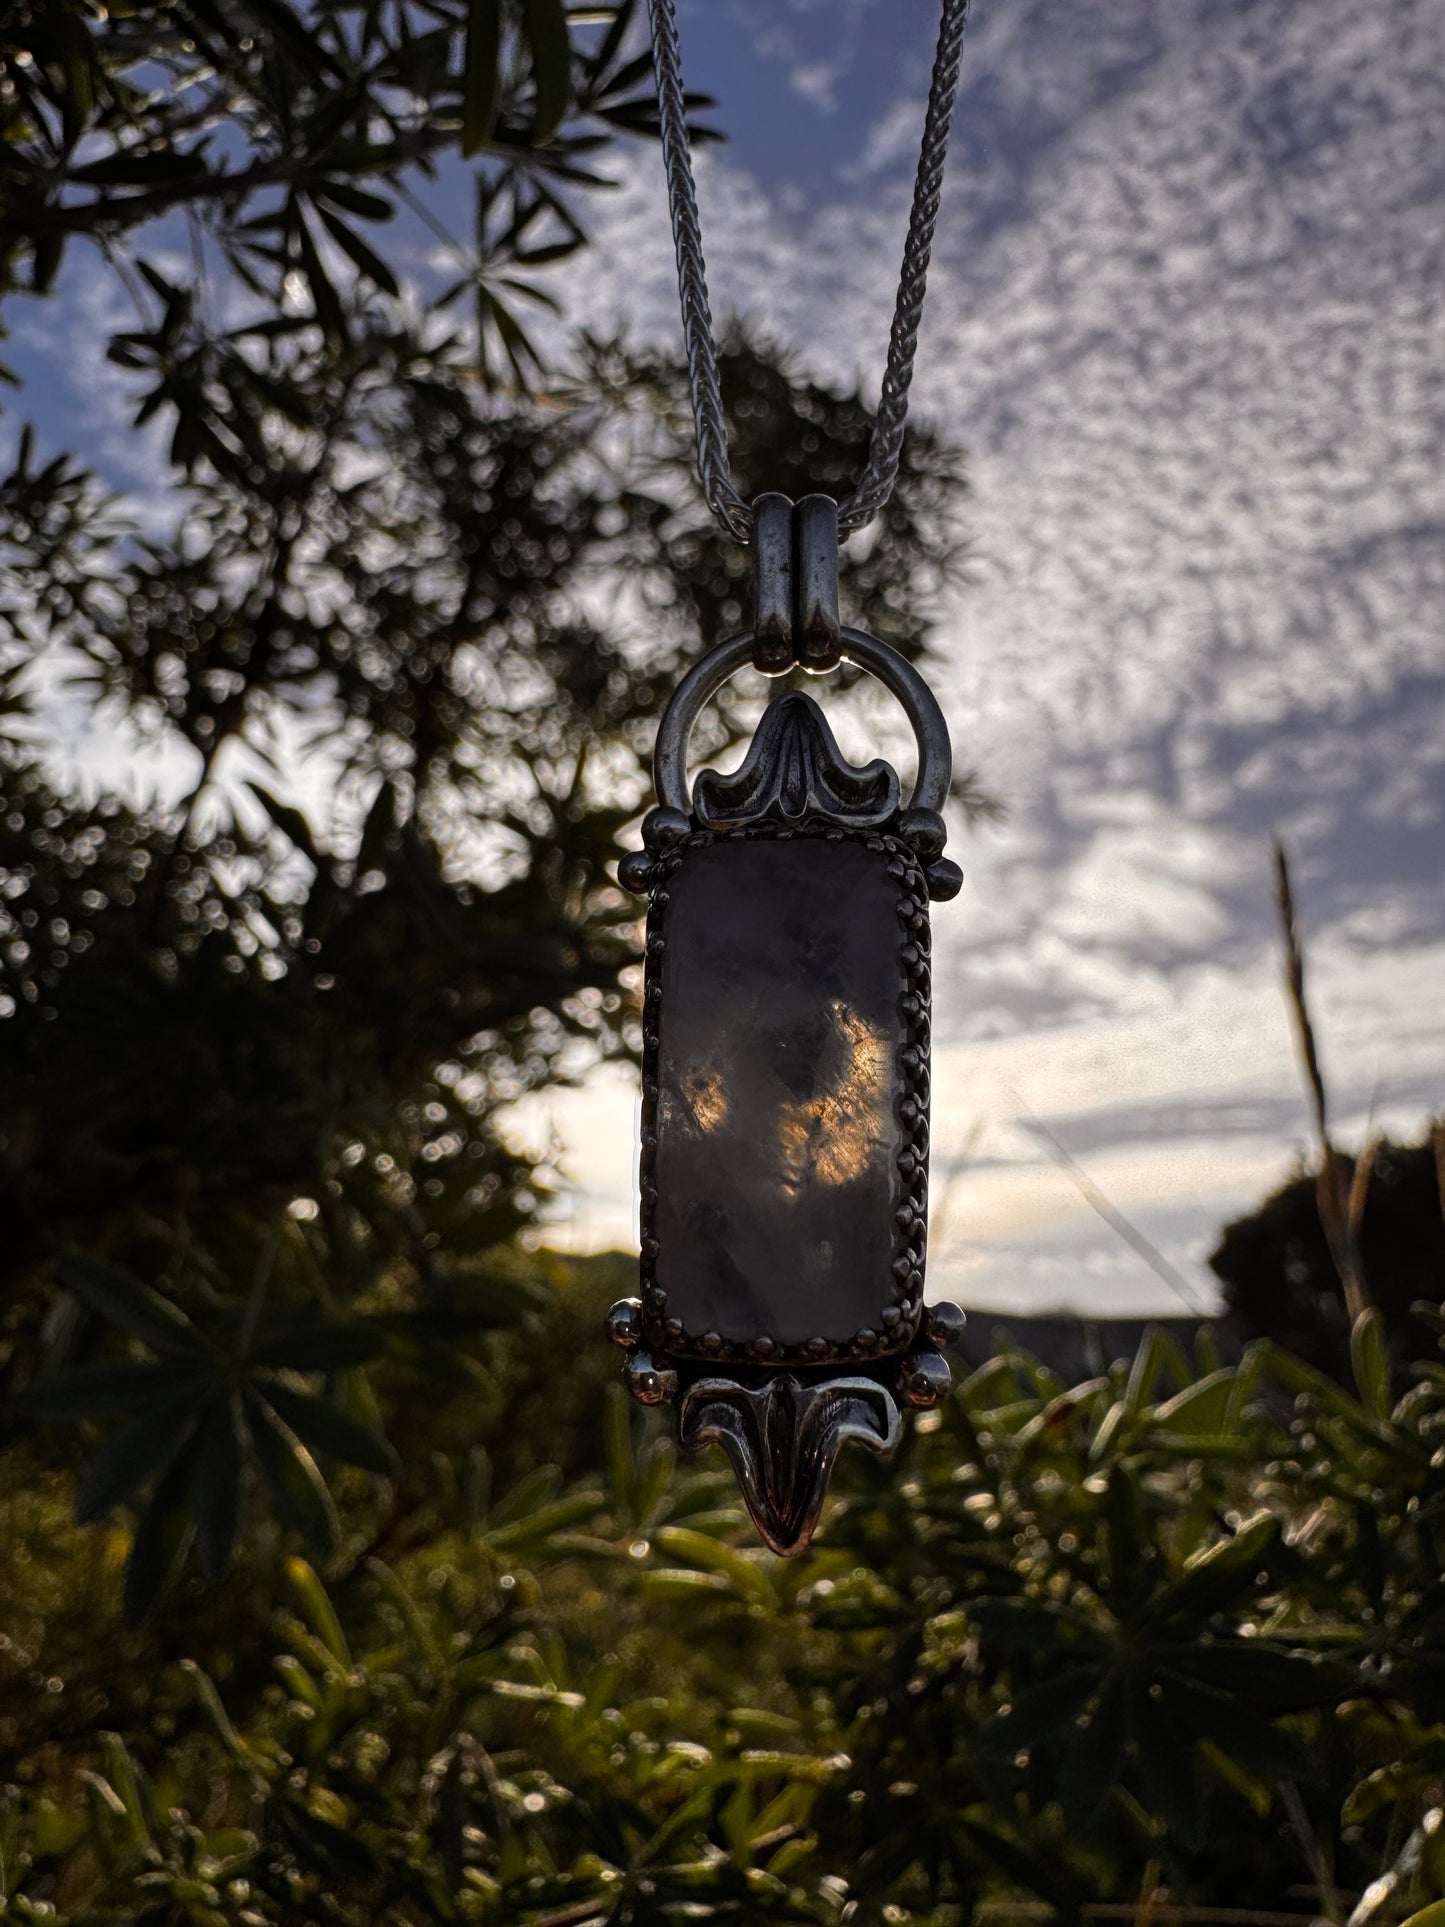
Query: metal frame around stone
x,y
900,1314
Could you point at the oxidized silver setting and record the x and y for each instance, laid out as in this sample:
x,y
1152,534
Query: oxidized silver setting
x,y
783,1436
901,1308
780,1405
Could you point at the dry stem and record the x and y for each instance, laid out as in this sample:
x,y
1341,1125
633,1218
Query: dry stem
x,y
1341,1202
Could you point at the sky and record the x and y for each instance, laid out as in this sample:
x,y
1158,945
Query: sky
x,y
1186,318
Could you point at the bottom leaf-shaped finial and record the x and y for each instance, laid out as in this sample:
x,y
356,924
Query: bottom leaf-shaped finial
x,y
782,1437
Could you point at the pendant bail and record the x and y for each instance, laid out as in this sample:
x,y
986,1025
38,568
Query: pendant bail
x,y
795,584
817,636
773,650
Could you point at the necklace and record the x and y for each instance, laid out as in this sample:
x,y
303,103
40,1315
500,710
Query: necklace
x,y
787,996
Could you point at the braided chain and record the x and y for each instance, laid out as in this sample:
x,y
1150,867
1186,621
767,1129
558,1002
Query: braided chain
x,y
880,472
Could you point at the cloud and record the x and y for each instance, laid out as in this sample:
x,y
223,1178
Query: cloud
x,y
892,138
817,82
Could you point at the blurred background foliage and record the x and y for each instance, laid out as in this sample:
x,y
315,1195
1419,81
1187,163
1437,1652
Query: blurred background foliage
x,y
340,1584
1159,1646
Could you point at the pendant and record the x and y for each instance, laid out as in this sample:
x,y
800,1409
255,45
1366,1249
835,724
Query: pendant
x,y
786,1013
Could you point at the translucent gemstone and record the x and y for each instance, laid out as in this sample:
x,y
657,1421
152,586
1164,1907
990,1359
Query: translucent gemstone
x,y
778,1082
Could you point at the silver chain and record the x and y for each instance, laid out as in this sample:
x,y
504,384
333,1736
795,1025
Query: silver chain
x,y
880,472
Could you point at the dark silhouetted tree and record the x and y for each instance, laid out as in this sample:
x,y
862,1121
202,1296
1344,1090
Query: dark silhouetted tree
x,y
398,650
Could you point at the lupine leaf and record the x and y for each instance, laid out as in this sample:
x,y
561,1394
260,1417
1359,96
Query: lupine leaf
x,y
318,1347
136,1454
216,1486
123,1300
160,1541
324,1427
1168,1778
536,1489
300,1492
1095,1758
1268,1677
1214,1578
93,1391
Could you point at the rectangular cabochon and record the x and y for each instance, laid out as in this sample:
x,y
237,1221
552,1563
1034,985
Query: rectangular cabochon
x,y
779,1073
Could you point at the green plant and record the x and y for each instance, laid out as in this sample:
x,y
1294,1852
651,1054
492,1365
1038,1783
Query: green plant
x,y
1074,1639
207,1404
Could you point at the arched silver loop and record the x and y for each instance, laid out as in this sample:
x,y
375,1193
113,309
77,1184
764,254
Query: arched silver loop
x,y
895,672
